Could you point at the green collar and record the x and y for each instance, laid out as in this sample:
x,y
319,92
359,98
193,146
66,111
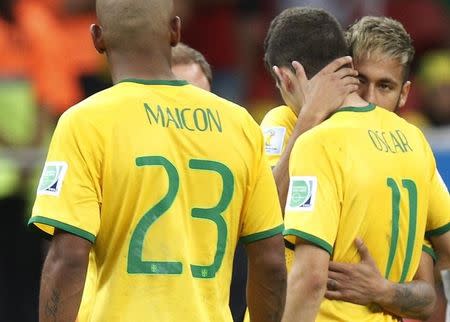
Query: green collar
x,y
155,82
367,108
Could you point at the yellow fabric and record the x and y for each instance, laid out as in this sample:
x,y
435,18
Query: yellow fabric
x,y
167,166
347,176
278,117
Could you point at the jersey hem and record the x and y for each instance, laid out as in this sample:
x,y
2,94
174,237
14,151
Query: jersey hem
x,y
262,235
38,220
310,238
438,231
429,251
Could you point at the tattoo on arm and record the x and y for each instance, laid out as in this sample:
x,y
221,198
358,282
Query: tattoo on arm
x,y
51,308
409,301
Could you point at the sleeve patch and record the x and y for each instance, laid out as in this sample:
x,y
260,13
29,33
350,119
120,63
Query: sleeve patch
x,y
52,178
274,139
302,194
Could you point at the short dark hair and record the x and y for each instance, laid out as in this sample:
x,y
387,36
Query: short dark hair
x,y
310,36
182,54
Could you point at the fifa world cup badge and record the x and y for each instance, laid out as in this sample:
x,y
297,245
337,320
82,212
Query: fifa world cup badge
x,y
302,193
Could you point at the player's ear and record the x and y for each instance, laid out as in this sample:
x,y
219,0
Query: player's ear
x,y
175,31
97,38
404,94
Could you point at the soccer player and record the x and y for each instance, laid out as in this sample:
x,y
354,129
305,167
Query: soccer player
x,y
390,83
341,172
383,52
147,177
191,65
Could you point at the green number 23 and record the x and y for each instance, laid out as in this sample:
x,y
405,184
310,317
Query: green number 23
x,y
135,263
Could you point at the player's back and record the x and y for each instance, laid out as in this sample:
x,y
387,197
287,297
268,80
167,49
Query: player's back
x,y
373,182
174,170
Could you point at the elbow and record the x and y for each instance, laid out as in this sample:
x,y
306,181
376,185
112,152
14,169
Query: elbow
x,y
309,281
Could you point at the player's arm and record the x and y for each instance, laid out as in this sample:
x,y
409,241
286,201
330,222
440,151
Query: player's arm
x,y
63,278
319,97
363,284
266,282
306,282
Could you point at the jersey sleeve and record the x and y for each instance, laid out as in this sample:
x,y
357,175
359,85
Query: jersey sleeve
x,y
313,204
68,196
438,220
428,248
261,213
275,138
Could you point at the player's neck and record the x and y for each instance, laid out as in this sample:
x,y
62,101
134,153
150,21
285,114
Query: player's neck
x,y
354,100
156,67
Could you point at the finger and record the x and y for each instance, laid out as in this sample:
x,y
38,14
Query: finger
x,y
338,267
336,276
332,285
277,72
362,250
336,64
344,72
300,73
352,88
334,295
351,80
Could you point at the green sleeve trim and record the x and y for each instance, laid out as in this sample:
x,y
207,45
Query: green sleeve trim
x,y
60,225
430,252
262,235
438,231
312,239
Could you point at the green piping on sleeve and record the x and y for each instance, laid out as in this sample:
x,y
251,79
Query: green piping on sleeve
x,y
312,239
430,252
438,231
38,220
262,235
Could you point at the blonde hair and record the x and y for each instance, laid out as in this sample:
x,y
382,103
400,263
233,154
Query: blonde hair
x,y
381,35
182,54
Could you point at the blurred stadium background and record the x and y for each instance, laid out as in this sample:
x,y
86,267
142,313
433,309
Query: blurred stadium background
x,y
47,64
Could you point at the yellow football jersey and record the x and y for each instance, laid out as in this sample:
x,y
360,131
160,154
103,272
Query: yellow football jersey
x,y
277,127
164,179
365,172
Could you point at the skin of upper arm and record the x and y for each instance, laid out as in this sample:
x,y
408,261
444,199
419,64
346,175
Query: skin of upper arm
x,y
68,248
425,269
311,264
268,252
441,244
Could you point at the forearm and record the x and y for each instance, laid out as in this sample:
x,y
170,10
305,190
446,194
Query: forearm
x,y
61,291
303,302
63,278
414,300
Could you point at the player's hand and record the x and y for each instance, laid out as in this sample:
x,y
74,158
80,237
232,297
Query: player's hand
x,y
356,283
326,91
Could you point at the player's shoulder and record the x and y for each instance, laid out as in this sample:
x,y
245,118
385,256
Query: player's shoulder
x,y
90,104
279,115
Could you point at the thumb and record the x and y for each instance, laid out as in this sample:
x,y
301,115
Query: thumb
x,y
362,250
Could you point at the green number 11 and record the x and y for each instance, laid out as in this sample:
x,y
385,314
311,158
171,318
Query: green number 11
x,y
411,187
